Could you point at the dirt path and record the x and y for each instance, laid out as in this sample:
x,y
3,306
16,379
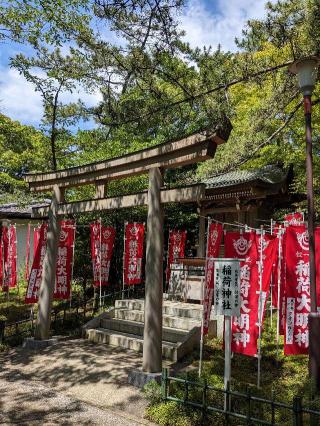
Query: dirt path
x,y
73,382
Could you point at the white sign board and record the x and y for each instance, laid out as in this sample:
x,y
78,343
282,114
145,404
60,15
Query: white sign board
x,y
227,287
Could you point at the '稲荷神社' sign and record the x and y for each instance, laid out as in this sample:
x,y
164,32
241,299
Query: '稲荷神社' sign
x,y
227,287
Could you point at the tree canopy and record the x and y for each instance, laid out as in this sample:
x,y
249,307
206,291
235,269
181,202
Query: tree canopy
x,y
154,86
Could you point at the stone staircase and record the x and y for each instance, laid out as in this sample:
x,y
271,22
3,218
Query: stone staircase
x,y
123,326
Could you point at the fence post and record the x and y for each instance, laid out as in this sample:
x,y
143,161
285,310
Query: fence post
x,y
2,330
204,400
227,405
297,411
272,408
249,406
164,383
186,388
84,307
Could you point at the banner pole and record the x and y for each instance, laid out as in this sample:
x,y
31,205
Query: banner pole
x,y
100,255
202,326
227,358
203,295
260,308
279,285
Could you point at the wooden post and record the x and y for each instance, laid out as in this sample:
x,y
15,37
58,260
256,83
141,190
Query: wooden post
x,y
101,189
152,338
49,269
202,234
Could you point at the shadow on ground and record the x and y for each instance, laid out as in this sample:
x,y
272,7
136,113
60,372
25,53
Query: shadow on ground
x,y
96,374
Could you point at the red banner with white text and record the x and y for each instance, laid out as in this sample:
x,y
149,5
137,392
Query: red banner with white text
x,y
26,273
133,253
214,237
245,329
9,273
62,290
237,244
297,289
102,244
36,269
176,247
294,218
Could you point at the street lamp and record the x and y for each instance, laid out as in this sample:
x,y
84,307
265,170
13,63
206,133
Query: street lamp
x,y
307,69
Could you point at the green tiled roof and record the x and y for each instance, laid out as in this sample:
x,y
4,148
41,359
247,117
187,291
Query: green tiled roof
x,y
266,175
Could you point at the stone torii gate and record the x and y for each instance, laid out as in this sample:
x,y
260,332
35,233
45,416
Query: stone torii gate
x,y
192,149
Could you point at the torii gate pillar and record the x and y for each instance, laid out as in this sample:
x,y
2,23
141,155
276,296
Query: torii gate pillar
x,y
152,339
49,269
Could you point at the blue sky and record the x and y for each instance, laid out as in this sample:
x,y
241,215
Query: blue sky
x,y
206,22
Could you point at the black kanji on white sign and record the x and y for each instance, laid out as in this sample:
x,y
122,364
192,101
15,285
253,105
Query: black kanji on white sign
x,y
227,287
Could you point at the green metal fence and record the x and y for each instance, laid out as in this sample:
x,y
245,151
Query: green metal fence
x,y
233,406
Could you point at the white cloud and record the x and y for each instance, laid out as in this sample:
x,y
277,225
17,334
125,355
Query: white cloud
x,y
18,99
220,23
206,22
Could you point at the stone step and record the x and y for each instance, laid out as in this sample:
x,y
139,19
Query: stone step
x,y
170,350
136,328
170,308
168,321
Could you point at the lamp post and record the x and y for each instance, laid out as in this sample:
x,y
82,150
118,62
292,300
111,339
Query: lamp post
x,y
306,69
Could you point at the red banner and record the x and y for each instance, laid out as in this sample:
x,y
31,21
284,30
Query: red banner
x,y
36,269
26,274
176,246
133,253
269,244
297,289
294,218
214,237
215,233
237,244
297,292
36,237
245,329
101,253
282,302
62,290
9,273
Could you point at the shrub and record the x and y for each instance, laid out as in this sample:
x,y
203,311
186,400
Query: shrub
x,y
170,414
152,391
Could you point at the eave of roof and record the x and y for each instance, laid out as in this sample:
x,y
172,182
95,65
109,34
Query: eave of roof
x,y
265,177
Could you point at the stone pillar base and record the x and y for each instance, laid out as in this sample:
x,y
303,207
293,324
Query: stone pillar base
x,y
32,343
139,378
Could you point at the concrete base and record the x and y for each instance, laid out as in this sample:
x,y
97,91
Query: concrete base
x,y
32,343
139,378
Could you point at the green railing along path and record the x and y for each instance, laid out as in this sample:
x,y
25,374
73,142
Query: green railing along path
x,y
243,406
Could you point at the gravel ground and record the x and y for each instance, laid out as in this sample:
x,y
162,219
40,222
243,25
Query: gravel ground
x,y
72,382
32,403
